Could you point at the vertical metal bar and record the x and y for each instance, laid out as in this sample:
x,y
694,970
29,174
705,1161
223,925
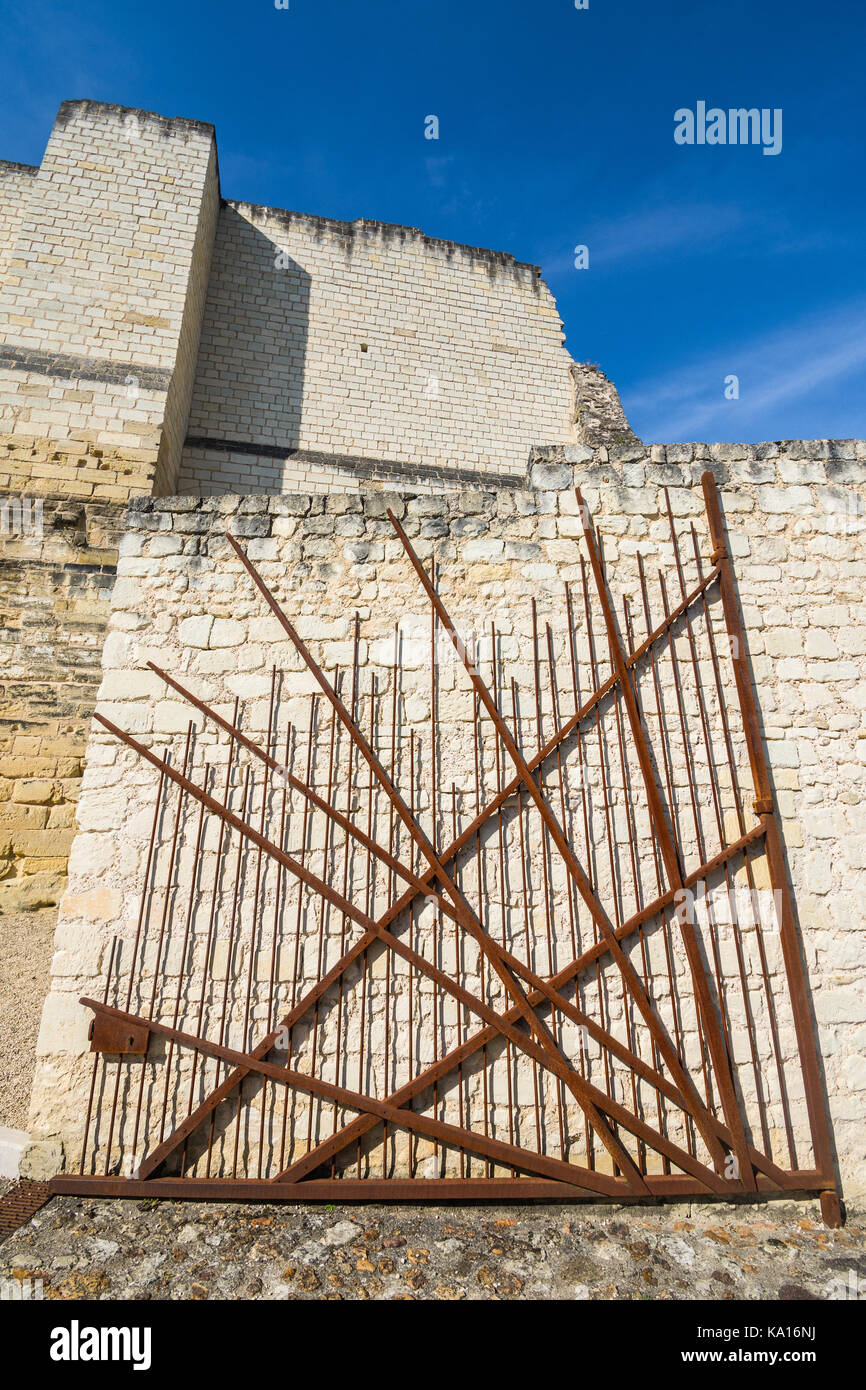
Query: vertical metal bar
x,y
484,988
392,887
97,1056
169,889
717,807
686,741
626,787
296,960
254,920
526,895
590,858
500,830
324,909
207,963
674,873
661,1114
602,764
460,1031
143,904
438,1000
554,699
546,874
412,1149
230,946
765,808
663,917
275,935
181,971
564,814
687,763
741,822
545,833
370,889
348,863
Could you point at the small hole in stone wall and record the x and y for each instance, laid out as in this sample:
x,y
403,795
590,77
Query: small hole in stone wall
x,y
363,347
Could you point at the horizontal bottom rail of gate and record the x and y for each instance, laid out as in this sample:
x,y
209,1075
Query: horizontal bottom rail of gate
x,y
670,1185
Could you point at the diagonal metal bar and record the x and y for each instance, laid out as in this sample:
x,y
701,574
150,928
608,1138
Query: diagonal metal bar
x,y
696,1106
349,1135
465,915
508,1154
537,983
593,1100
472,830
421,886
670,858
765,808
477,1042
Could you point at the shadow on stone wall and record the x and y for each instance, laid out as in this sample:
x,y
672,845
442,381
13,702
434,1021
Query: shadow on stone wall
x,y
249,385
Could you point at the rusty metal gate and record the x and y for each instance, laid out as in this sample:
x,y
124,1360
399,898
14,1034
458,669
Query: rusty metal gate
x,y
573,974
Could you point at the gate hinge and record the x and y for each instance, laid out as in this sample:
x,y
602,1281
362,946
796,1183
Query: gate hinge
x,y
114,1035
763,806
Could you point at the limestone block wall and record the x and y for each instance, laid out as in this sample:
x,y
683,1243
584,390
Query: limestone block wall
x,y
55,588
326,338
101,300
795,514
16,182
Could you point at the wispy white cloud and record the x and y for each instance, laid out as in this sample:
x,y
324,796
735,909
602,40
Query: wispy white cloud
x,y
658,230
791,363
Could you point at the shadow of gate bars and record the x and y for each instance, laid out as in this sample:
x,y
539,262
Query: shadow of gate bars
x,y
574,975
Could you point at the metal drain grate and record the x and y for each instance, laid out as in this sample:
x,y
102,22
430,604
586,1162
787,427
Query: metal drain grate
x,y
20,1203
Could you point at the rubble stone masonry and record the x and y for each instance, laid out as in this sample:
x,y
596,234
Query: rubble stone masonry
x,y
796,515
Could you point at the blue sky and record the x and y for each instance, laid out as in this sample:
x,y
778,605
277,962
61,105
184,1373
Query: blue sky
x,y
556,129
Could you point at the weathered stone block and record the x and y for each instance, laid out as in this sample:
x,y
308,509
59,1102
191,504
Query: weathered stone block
x,y
226,632
42,1160
37,793
31,892
483,549
551,477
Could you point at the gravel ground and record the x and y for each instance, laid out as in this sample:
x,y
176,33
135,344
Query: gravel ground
x,y
25,956
94,1248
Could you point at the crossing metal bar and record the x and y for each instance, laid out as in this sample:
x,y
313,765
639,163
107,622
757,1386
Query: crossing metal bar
x,y
526,1008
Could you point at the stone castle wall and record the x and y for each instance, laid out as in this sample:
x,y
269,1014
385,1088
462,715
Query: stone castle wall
x,y
145,321
101,302
55,586
16,187
129,293
104,263
795,515
330,338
